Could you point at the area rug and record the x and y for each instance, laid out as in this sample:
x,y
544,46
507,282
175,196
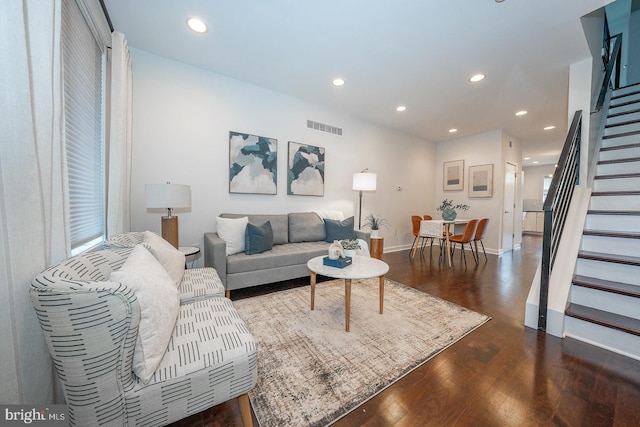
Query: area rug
x,y
311,372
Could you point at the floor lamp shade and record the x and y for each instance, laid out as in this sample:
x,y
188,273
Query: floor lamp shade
x,y
363,181
168,196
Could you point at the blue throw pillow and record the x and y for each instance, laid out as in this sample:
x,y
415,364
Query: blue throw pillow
x,y
258,238
339,230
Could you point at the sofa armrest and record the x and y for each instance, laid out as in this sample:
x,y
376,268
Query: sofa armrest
x,y
364,235
215,255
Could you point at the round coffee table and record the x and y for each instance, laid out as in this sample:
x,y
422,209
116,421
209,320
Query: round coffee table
x,y
361,268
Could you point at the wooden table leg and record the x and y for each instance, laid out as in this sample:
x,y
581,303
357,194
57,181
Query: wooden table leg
x,y
313,288
447,228
347,303
381,294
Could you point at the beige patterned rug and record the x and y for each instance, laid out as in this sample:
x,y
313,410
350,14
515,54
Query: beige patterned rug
x,y
311,372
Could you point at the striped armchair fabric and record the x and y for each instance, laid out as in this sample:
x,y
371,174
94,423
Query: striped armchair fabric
x,y
90,325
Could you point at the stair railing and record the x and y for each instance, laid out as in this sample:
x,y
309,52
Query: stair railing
x,y
556,207
611,65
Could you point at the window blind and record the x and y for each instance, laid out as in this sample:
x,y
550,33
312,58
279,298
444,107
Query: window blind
x,y
84,126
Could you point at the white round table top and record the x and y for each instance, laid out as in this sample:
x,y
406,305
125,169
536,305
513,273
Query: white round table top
x,y
362,268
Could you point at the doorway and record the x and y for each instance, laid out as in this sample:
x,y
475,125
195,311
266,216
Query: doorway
x,y
508,218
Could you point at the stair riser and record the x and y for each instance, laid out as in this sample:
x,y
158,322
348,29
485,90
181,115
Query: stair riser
x,y
625,90
623,153
613,109
622,140
616,130
615,203
608,271
612,246
601,336
614,168
616,184
624,223
606,301
624,118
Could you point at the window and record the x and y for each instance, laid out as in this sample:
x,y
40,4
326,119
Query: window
x,y
83,70
546,183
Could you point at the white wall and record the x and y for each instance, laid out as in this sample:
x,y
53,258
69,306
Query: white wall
x,y
182,118
486,148
533,184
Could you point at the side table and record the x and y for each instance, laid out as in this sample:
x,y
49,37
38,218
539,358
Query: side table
x,y
189,251
376,246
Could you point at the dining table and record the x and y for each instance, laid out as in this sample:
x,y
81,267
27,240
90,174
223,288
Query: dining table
x,y
437,228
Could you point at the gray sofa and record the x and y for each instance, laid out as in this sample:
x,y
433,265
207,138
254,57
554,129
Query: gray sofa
x,y
297,237
91,325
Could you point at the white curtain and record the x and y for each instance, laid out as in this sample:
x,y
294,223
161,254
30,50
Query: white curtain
x,y
33,200
119,170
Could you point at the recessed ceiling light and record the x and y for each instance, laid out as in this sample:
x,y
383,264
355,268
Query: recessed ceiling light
x,y
521,113
454,130
535,163
338,82
197,25
477,78
527,158
401,108
549,127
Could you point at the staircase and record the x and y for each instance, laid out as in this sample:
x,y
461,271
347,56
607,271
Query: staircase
x,y
604,302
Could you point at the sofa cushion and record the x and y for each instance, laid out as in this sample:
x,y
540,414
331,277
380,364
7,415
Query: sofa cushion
x,y
231,230
159,305
305,227
279,224
339,230
279,256
258,238
200,283
170,258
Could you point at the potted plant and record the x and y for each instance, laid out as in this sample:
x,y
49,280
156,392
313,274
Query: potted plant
x,y
449,209
350,247
374,222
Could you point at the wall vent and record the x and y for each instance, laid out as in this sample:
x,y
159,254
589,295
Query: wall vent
x,y
324,128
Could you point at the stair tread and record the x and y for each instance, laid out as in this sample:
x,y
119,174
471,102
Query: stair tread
x,y
628,122
616,193
624,160
604,318
621,147
622,113
622,95
618,176
618,259
607,286
612,212
621,134
606,233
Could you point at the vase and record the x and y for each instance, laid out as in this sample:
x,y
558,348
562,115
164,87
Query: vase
x,y
374,234
350,253
449,214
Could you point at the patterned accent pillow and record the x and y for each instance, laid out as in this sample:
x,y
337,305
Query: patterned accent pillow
x,y
159,306
170,258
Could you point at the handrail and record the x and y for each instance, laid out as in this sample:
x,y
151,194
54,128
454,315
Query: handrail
x,y
616,55
556,207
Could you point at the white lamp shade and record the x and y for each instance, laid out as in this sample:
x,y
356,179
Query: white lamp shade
x,y
168,196
364,181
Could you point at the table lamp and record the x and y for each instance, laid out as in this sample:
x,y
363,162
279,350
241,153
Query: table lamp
x,y
168,196
363,181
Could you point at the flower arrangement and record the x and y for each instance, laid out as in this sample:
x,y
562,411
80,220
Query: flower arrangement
x,y
448,204
350,244
375,221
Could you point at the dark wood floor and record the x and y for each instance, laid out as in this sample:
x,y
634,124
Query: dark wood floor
x,y
502,374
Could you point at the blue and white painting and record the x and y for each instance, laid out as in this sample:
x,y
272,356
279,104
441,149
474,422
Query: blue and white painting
x,y
306,170
253,164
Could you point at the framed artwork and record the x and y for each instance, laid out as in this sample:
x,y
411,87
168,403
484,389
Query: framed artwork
x,y
453,179
253,164
305,176
481,181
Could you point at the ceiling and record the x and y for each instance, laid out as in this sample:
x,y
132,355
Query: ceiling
x,y
417,53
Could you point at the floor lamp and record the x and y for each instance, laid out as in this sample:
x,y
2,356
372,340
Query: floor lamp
x,y
168,196
363,181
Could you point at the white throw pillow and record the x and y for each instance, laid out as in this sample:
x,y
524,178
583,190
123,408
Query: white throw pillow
x,y
171,259
159,306
231,230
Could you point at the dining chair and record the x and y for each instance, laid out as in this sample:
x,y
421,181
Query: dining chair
x,y
427,217
466,237
415,224
480,233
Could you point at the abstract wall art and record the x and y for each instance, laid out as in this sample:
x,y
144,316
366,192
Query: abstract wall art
x,y
253,164
481,181
453,178
306,170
